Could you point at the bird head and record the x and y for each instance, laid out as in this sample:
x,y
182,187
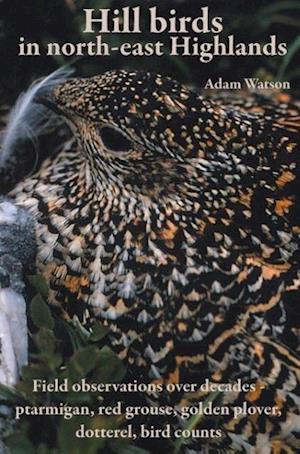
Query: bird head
x,y
139,130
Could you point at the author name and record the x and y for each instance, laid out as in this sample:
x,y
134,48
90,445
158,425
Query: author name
x,y
248,82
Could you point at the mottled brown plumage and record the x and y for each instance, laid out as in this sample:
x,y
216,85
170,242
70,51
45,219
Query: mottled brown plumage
x,y
174,219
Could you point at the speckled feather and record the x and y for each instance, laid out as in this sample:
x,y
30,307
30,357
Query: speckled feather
x,y
186,243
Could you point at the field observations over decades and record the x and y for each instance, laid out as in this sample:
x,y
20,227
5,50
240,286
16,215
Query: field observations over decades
x,y
129,412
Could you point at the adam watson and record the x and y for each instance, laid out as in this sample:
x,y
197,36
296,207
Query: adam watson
x,y
248,82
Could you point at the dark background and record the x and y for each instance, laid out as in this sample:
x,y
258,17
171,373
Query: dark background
x,y
44,21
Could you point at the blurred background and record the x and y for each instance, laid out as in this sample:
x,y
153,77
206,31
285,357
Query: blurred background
x,y
44,21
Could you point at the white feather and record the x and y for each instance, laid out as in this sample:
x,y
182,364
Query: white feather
x,y
13,336
8,363
28,119
8,212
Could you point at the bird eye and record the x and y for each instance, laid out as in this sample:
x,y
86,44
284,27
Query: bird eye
x,y
114,140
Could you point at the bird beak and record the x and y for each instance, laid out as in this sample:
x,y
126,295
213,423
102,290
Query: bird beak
x,y
63,98
49,101
67,99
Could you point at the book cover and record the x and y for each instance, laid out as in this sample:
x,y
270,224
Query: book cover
x,y
149,227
